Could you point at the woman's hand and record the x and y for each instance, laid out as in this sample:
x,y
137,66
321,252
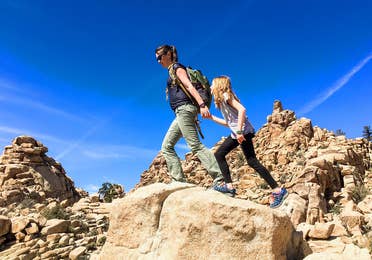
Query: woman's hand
x,y
204,111
240,138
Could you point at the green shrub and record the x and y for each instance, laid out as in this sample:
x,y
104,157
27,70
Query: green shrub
x,y
55,212
26,203
263,186
359,193
240,159
336,209
91,246
101,241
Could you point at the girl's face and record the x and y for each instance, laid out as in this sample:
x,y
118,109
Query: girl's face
x,y
164,58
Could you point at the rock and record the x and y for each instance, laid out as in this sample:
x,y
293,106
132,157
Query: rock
x,y
19,224
32,229
321,230
169,221
349,252
55,226
77,252
26,169
353,220
295,207
5,225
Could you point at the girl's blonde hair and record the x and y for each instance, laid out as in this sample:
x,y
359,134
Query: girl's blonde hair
x,y
221,85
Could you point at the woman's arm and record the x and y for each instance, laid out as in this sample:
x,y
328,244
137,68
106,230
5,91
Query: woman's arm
x,y
182,75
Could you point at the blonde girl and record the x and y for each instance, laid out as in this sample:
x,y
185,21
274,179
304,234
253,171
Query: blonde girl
x,y
242,132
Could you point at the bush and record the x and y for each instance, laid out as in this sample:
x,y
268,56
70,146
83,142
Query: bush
x,y
336,209
101,241
26,203
55,212
91,246
359,193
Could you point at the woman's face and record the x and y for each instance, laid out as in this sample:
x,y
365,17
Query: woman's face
x,y
164,58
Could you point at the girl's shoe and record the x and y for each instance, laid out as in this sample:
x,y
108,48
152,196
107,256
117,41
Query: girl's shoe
x,y
279,198
224,189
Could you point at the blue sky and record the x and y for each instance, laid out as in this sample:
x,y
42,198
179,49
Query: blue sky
x,y
81,76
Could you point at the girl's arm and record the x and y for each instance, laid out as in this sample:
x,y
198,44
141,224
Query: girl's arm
x,y
218,120
241,112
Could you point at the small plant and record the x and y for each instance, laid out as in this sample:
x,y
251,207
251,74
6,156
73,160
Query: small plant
x,y
93,232
336,209
367,133
91,246
359,193
84,228
240,159
101,241
109,191
26,203
263,186
339,132
54,212
283,178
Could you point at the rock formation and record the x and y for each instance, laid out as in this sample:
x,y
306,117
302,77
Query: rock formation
x,y
42,214
26,172
328,178
183,221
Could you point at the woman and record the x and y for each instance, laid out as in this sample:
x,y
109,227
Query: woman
x,y
184,123
242,133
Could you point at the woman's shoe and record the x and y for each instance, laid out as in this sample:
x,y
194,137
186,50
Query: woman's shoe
x,y
224,189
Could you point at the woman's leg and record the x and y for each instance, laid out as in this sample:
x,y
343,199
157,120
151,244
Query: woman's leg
x,y
227,145
248,150
186,121
173,162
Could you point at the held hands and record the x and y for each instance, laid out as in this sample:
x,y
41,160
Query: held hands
x,y
204,111
240,138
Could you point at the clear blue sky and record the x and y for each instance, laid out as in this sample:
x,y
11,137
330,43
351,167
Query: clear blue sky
x,y
81,76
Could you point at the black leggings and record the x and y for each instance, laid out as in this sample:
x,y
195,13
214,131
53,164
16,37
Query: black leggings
x,y
247,146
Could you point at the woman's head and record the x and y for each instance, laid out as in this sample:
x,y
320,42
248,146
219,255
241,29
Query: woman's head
x,y
220,86
166,55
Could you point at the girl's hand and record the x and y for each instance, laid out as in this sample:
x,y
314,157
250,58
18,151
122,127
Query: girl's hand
x,y
240,138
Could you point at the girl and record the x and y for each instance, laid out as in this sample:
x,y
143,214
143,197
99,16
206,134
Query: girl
x,y
242,133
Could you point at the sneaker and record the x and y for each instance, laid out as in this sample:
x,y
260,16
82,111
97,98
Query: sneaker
x,y
279,198
224,189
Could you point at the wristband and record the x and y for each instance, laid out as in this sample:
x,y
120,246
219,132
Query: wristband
x,y
202,105
239,132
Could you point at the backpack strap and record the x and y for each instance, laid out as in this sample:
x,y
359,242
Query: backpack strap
x,y
177,81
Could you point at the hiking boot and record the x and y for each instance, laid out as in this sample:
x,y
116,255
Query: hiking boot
x,y
224,189
279,198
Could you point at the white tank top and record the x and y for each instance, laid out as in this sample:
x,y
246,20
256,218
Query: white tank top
x,y
231,116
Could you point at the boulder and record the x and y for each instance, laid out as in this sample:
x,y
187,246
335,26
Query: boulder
x,y
56,226
182,221
5,224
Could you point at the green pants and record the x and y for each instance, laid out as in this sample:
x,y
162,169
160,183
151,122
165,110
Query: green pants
x,y
184,126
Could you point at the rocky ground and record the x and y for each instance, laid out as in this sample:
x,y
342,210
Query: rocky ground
x,y
328,177
43,216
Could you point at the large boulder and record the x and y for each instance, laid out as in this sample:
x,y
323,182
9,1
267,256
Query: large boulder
x,y
182,221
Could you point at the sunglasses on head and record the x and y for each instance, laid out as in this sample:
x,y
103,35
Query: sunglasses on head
x,y
160,57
